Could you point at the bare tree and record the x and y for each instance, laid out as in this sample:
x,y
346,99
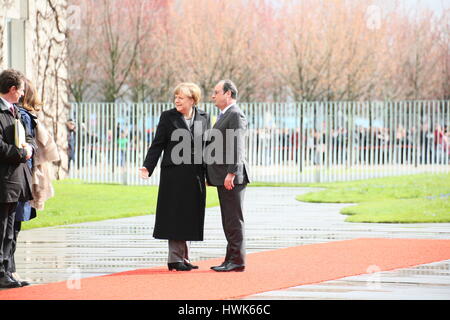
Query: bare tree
x,y
280,51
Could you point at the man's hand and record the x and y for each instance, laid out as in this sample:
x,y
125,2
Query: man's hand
x,y
229,181
29,150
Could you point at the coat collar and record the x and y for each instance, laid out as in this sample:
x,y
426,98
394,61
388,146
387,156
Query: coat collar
x,y
33,117
3,106
178,121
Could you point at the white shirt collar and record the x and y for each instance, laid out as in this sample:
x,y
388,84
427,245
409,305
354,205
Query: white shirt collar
x,y
228,107
8,104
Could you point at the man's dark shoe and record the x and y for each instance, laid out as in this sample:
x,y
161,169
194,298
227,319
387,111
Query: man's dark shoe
x,y
229,266
24,283
221,266
6,283
15,277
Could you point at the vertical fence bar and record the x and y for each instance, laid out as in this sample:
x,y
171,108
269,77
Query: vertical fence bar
x,y
352,148
73,173
371,144
439,137
430,154
394,130
392,138
424,135
436,116
85,145
378,141
447,152
408,141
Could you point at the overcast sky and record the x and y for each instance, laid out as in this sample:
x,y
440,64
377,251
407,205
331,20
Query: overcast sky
x,y
435,5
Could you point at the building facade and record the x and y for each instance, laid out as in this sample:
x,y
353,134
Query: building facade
x,y
33,40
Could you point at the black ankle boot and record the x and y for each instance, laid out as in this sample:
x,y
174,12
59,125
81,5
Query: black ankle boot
x,y
178,266
191,265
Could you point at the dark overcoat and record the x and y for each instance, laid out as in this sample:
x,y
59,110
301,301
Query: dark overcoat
x,y
180,211
15,175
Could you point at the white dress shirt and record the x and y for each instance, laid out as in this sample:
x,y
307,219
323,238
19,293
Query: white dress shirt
x,y
226,108
8,104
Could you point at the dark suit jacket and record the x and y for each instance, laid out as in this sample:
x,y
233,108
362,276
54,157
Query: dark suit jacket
x,y
15,175
169,121
233,119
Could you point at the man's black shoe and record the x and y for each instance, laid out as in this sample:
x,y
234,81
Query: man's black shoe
x,y
6,283
15,277
221,266
229,266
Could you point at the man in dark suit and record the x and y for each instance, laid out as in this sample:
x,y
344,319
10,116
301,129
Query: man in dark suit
x,y
15,175
230,175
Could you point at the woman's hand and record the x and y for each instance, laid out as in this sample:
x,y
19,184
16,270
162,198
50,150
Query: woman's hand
x,y
143,173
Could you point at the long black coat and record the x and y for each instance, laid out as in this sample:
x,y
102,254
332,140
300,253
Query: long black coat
x,y
180,212
15,175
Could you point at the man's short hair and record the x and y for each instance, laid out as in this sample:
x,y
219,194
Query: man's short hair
x,y
10,78
229,85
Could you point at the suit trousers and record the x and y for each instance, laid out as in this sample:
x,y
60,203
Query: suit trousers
x,y
12,264
178,251
7,215
231,208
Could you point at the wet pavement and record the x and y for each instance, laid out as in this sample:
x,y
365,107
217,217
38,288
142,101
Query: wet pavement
x,y
274,219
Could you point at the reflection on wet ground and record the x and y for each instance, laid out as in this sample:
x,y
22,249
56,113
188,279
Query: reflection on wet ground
x,y
274,219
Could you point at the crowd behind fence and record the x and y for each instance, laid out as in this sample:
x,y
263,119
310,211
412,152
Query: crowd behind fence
x,y
286,142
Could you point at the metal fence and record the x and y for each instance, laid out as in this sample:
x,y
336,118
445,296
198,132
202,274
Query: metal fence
x,y
286,142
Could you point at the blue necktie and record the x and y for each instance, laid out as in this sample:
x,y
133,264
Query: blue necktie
x,y
219,116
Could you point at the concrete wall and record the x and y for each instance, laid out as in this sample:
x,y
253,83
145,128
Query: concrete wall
x,y
33,40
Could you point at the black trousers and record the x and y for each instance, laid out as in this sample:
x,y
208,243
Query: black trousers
x,y
7,215
231,208
12,264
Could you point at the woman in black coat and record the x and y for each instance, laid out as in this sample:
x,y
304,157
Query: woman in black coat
x,y
180,211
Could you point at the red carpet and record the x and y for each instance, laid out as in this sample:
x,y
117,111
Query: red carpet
x,y
265,271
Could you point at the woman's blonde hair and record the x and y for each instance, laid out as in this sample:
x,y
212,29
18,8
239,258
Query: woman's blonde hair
x,y
190,90
30,100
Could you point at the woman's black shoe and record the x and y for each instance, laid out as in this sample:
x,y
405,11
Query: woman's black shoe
x,y
191,265
178,266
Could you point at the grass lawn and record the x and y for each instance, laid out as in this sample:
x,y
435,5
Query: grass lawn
x,y
402,199
77,202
